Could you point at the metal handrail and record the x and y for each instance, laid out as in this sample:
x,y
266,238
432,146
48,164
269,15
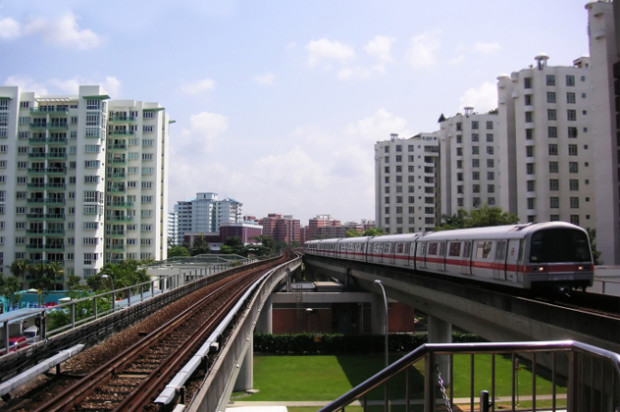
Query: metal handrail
x,y
428,352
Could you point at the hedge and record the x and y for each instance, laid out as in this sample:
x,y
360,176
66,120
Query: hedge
x,y
323,344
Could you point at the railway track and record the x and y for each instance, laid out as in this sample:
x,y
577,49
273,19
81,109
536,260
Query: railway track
x,y
133,378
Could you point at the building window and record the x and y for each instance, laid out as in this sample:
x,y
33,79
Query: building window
x,y
474,124
529,134
570,98
572,132
574,219
550,80
572,150
552,132
553,149
529,151
573,184
553,167
527,82
573,167
570,80
531,185
554,185
529,117
574,202
571,115
554,202
552,114
529,168
550,97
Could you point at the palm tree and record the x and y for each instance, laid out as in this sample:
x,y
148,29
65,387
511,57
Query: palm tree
x,y
53,270
18,269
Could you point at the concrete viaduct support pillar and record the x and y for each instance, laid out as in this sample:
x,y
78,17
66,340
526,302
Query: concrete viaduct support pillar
x,y
440,331
245,379
265,319
377,315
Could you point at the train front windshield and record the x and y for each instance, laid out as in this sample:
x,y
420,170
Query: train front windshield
x,y
559,245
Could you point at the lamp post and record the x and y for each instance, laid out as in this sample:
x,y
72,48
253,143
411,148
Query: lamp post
x,y
385,304
104,276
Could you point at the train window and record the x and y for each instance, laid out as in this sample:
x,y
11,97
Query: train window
x,y
454,249
559,245
483,249
400,247
432,248
500,250
442,248
467,249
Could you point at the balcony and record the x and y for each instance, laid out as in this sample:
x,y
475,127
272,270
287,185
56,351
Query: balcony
x,y
55,216
39,185
117,147
56,170
48,110
35,216
116,175
119,219
119,205
115,233
115,248
55,232
121,118
36,171
56,186
122,161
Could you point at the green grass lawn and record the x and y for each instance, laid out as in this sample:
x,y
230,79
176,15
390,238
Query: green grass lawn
x,y
321,378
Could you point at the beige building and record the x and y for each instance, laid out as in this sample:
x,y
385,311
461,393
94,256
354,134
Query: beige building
x,y
546,143
83,179
407,185
605,75
469,161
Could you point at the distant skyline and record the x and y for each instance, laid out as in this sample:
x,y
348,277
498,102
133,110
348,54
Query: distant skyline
x,y
278,104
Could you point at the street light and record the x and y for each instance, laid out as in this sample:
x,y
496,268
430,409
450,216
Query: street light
x,y
385,387
104,276
385,303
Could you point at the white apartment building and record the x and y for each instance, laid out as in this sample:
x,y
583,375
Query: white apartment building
x,y
604,76
407,185
205,214
83,179
469,161
545,143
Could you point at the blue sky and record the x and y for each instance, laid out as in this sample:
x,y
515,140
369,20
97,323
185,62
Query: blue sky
x,y
278,104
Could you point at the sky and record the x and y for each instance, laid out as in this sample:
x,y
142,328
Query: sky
x,y
278,103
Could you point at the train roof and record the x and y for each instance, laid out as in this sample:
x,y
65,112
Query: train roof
x,y
505,231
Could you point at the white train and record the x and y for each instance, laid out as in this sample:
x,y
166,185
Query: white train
x,y
533,255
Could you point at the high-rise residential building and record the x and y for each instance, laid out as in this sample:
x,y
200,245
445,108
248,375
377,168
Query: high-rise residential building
x,y
545,143
281,228
318,222
173,228
205,214
604,97
469,161
407,184
83,179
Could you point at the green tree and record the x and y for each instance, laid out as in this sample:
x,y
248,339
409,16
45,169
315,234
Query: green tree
x,y
484,216
19,268
200,246
73,282
596,255
234,246
9,285
178,251
54,271
40,276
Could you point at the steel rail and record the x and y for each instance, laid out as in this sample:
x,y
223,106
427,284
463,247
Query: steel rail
x,y
80,390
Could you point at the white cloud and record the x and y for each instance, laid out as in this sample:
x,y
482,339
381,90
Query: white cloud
x,y
482,98
26,84
198,87
64,32
423,51
326,51
381,48
266,79
204,129
377,127
455,61
9,28
487,48
113,86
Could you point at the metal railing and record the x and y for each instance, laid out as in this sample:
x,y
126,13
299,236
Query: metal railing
x,y
555,376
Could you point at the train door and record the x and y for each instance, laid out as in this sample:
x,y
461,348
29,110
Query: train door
x,y
512,259
420,256
442,255
499,266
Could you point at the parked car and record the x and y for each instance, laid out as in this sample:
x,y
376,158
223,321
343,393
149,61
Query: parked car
x,y
15,343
